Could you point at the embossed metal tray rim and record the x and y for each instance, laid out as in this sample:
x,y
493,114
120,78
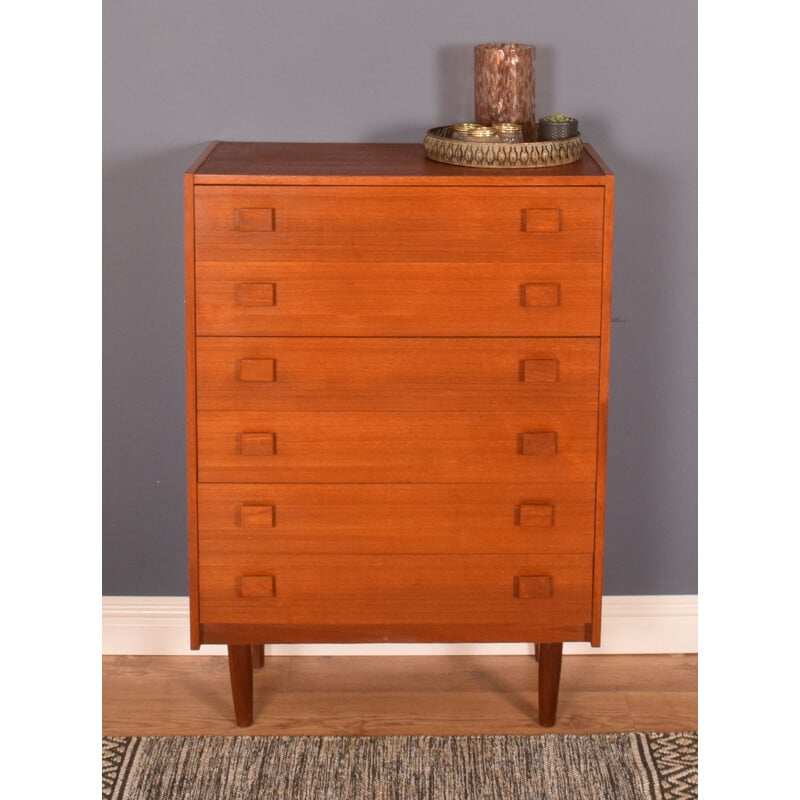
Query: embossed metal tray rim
x,y
440,146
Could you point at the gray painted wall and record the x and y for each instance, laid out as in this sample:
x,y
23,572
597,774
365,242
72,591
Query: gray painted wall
x,y
180,73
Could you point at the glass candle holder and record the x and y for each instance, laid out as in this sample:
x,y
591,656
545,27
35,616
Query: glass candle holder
x,y
504,84
509,131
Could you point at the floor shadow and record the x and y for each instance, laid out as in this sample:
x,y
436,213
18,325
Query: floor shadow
x,y
492,681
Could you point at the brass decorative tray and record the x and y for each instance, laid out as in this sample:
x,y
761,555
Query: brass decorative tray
x,y
441,145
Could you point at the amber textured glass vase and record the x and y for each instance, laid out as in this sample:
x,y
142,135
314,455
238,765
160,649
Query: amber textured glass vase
x,y
504,84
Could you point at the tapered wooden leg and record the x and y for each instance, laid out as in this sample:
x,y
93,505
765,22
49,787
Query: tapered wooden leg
x,y
240,664
258,656
549,678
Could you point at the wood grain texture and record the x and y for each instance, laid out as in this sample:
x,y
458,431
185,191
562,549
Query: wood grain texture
x,y
396,374
261,295
534,587
538,443
257,654
191,402
449,630
255,370
532,517
538,515
542,294
240,666
543,369
251,220
255,443
363,224
396,447
391,592
261,586
247,515
412,695
319,164
549,656
541,220
268,298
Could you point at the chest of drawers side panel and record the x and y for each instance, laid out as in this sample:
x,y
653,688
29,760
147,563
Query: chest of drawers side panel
x,y
191,395
602,419
191,413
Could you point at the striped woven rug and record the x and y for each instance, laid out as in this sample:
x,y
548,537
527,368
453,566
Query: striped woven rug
x,y
617,766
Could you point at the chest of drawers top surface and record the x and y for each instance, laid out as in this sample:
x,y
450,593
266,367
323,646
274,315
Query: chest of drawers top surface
x,y
362,164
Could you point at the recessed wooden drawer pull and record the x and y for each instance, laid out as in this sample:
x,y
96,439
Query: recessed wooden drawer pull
x,y
534,587
257,517
257,444
254,220
537,444
541,295
255,294
257,370
535,515
541,220
540,370
257,586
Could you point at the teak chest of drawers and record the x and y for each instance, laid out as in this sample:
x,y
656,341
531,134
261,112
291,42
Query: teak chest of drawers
x,y
397,395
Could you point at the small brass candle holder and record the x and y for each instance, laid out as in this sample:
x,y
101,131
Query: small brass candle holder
x,y
472,132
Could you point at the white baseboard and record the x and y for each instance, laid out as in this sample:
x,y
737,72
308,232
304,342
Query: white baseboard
x,y
631,625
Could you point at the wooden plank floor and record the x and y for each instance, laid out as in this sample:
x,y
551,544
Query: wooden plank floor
x,y
373,696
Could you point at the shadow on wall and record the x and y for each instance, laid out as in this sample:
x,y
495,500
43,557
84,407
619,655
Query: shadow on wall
x,y
454,97
652,420
143,198
455,93
456,87
144,512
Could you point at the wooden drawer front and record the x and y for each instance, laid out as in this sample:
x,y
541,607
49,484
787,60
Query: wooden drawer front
x,y
261,519
328,299
501,593
389,447
307,223
298,373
